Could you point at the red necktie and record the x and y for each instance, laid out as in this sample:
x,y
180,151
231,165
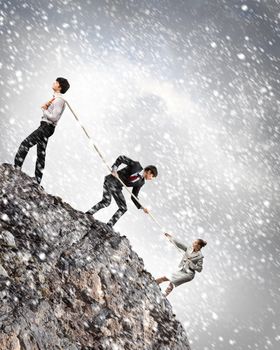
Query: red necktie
x,y
50,102
133,177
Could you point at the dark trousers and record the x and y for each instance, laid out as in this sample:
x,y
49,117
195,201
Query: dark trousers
x,y
40,138
111,188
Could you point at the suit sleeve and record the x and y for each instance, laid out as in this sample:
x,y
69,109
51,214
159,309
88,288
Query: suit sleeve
x,y
121,160
56,113
135,191
198,266
179,244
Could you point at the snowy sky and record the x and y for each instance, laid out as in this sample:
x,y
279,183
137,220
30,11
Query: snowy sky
x,y
190,86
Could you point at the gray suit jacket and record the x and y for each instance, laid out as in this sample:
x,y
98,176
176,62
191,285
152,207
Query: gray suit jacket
x,y
191,260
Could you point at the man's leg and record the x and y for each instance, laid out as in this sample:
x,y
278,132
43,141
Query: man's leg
x,y
106,200
41,156
48,130
120,200
35,137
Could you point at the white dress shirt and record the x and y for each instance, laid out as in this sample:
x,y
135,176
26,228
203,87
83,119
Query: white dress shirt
x,y
55,110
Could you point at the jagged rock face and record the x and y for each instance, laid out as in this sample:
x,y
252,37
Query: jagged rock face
x,y
68,282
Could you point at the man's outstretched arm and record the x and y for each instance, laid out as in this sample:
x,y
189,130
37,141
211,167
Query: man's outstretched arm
x,y
135,191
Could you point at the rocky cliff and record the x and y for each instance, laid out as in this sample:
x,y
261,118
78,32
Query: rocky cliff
x,y
68,282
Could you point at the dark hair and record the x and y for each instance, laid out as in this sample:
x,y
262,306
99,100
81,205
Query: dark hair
x,y
64,84
152,169
201,242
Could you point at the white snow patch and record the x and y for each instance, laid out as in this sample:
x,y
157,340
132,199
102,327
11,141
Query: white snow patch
x,y
241,56
5,217
42,256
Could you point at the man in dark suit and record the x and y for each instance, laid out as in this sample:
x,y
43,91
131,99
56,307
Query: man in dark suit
x,y
52,112
133,175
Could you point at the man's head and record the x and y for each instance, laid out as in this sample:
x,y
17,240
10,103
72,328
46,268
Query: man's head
x,y
61,85
150,172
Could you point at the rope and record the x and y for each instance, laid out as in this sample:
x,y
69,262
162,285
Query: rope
x,y
109,168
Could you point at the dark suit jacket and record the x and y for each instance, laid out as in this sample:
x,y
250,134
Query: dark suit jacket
x,y
132,167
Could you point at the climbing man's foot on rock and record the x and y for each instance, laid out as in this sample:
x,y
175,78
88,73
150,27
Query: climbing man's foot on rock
x,y
90,216
109,224
36,182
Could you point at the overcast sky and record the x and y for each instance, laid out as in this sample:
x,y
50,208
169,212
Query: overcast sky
x,y
190,86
